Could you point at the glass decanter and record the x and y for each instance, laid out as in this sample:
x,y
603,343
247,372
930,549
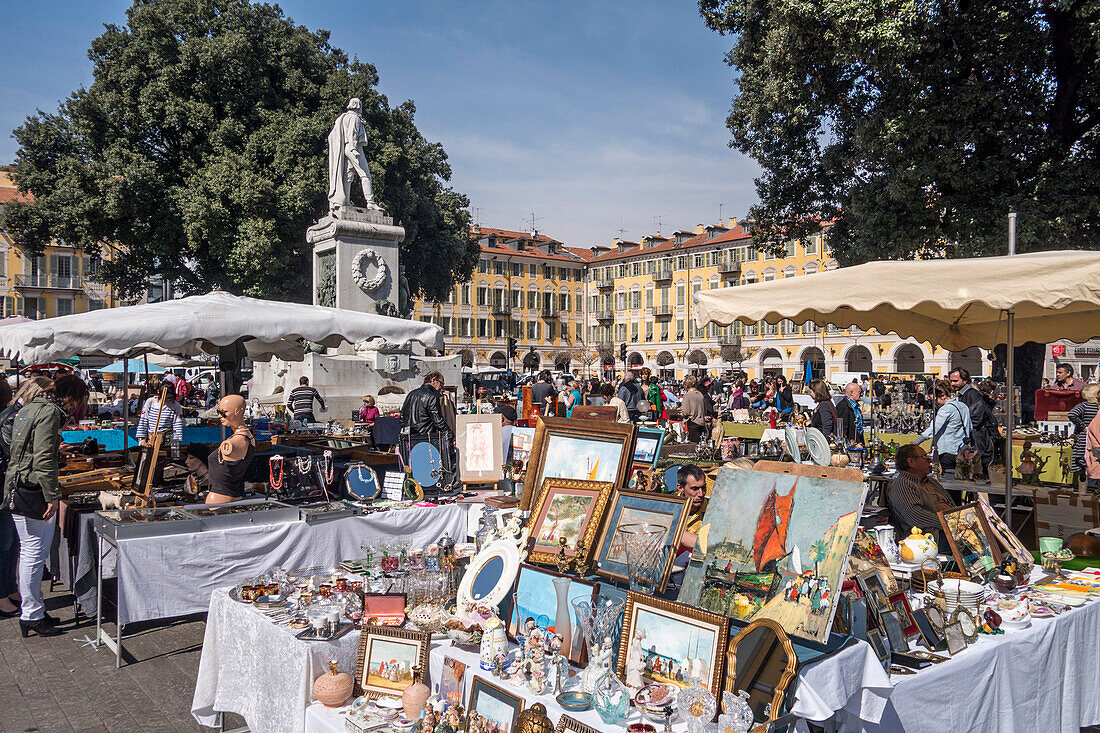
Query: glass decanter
x,y
738,716
697,705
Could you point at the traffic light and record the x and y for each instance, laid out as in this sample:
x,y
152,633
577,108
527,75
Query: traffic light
x,y
622,352
511,348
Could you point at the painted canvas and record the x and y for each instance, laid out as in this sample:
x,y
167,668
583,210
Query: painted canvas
x,y
569,509
451,679
492,706
581,458
776,546
970,539
390,663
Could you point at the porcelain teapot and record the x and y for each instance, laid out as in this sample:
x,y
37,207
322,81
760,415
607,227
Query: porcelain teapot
x,y
918,546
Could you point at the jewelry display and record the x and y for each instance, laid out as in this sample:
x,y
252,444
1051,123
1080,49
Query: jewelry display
x,y
276,468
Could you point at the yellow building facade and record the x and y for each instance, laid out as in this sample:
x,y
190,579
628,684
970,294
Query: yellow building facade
x,y
573,308
57,282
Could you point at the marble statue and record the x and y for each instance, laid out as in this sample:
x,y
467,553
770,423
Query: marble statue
x,y
347,154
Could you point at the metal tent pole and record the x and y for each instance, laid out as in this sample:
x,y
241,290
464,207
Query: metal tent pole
x,y
1010,377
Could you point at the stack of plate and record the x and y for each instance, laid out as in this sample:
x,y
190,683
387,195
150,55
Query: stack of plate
x,y
963,593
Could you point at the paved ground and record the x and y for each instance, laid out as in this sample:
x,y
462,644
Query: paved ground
x,y
62,684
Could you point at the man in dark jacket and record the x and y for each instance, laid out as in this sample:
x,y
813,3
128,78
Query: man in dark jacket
x,y
543,394
849,411
422,420
981,416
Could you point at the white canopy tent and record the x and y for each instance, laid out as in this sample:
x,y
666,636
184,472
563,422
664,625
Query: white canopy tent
x,y
200,324
954,303
207,325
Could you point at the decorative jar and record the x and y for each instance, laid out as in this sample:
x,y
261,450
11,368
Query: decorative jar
x,y
333,688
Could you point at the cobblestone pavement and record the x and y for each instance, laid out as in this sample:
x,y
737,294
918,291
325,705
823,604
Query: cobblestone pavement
x,y
62,683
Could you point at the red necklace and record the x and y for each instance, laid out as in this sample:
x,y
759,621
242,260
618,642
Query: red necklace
x,y
276,462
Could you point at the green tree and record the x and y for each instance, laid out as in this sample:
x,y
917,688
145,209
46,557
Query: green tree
x,y
200,149
819,550
916,126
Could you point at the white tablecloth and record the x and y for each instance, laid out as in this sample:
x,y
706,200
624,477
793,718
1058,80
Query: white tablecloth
x,y
174,575
259,670
1044,678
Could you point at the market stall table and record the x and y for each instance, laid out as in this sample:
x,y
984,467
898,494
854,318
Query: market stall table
x,y
173,575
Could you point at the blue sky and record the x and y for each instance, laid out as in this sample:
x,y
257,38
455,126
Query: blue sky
x,y
591,115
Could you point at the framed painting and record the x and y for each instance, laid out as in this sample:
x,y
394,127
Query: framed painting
x,y
480,443
928,633
1007,539
640,507
491,708
775,545
584,450
900,603
387,656
666,635
537,598
451,681
971,540
647,447
571,509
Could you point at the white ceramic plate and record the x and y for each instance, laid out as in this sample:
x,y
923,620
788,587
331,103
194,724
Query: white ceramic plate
x,y
818,447
790,438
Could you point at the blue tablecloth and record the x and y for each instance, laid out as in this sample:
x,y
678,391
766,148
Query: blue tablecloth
x,y
111,439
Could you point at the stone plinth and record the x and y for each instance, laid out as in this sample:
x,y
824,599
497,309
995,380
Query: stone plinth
x,y
355,259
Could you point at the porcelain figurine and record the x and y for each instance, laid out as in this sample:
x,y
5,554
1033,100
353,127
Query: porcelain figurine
x,y
635,663
918,547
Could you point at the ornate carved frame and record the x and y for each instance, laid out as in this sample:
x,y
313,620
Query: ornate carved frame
x,y
788,671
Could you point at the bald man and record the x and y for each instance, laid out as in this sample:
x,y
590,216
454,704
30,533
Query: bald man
x,y
849,411
228,465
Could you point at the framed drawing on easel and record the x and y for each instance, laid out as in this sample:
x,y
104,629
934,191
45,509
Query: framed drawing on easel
x,y
480,442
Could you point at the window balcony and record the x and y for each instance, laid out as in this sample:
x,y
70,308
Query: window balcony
x,y
605,283
729,268
663,311
605,314
501,310
664,272
49,282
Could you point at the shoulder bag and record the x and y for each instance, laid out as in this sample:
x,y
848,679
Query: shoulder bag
x,y
26,498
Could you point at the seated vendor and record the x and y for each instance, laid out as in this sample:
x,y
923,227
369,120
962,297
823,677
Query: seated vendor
x,y
692,483
227,469
914,497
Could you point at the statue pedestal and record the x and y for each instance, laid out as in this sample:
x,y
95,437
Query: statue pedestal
x,y
355,260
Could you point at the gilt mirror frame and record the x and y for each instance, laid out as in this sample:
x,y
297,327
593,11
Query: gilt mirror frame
x,y
782,640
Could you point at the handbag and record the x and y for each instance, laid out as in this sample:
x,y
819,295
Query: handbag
x,y
26,499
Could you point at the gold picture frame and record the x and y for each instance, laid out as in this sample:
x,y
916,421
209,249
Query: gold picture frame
x,y
763,661
664,615
387,642
547,461
572,725
554,515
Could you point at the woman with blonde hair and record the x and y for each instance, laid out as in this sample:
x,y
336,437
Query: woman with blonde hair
x,y
368,413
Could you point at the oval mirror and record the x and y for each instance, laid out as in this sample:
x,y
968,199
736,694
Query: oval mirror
x,y
487,578
761,661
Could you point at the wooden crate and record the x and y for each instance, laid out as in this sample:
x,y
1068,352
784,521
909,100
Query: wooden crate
x,y
1064,513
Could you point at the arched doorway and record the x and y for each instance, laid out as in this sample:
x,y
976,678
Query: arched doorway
x,y
816,358
531,361
635,359
468,357
498,360
771,362
562,360
858,359
698,360
909,359
968,359
665,361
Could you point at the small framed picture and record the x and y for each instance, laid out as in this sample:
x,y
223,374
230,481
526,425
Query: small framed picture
x,y
931,637
491,708
640,507
878,644
956,640
451,681
569,509
891,624
901,607
386,659
569,725
937,618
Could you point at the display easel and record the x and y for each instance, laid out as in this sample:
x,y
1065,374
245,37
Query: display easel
x,y
146,469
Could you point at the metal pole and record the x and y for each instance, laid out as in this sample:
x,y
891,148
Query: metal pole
x,y
1010,377
125,408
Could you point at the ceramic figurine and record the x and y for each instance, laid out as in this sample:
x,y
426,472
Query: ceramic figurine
x,y
635,663
516,671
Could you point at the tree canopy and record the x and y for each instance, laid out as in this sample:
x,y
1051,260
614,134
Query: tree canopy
x,y
917,126
200,150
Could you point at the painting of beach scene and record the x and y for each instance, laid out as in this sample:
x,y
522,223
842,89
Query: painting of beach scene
x,y
581,458
776,547
390,663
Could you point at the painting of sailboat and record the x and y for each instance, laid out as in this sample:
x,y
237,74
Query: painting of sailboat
x,y
777,546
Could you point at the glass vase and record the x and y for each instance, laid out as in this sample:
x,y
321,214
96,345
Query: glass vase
x,y
738,716
611,700
645,554
600,625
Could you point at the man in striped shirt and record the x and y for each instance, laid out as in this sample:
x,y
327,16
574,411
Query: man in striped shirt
x,y
300,401
914,498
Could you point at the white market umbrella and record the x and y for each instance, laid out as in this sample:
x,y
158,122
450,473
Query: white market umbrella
x,y
954,303
199,324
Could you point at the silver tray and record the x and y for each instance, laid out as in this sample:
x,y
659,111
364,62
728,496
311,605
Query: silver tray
x,y
246,513
324,511
311,634
121,524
